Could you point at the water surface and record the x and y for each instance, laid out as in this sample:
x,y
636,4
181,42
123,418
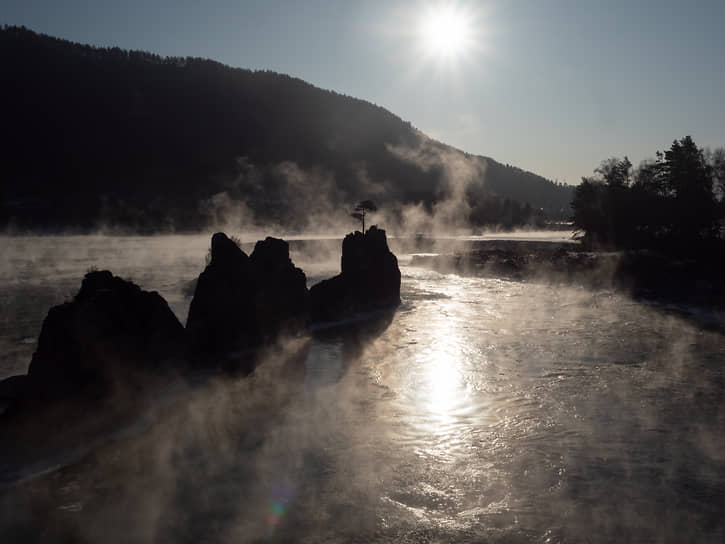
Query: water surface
x,y
483,410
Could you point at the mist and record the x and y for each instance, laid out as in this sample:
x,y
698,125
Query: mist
x,y
516,384
483,408
454,419
458,173
311,202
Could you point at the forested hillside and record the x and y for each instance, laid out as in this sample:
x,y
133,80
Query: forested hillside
x,y
104,135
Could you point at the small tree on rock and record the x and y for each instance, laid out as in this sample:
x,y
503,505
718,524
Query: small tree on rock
x,y
363,207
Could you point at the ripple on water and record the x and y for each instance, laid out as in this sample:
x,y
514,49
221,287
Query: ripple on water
x,y
488,410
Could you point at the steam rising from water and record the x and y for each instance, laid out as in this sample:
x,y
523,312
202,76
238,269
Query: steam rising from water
x,y
486,410
459,172
312,201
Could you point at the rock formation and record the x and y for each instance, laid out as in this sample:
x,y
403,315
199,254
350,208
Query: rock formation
x,y
114,337
110,331
11,390
242,301
369,281
280,295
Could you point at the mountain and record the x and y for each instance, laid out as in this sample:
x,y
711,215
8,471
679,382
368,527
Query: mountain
x,y
108,136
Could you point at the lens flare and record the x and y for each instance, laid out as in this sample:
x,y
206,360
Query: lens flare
x,y
277,508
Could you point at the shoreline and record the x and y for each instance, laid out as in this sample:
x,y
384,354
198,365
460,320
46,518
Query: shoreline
x,y
643,274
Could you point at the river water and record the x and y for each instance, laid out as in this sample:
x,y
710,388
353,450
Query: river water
x,y
484,410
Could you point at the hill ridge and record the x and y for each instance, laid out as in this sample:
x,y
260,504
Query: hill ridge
x,y
104,135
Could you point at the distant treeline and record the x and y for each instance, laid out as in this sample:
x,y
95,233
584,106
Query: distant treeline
x,y
105,135
674,202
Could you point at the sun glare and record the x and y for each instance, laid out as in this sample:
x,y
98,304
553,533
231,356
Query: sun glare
x,y
445,31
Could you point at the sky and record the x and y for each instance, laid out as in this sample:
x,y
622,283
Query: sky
x,y
550,86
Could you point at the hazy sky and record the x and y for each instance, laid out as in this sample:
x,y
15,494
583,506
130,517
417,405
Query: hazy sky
x,y
552,86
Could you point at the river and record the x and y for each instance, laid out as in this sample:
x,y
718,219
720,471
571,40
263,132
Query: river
x,y
484,410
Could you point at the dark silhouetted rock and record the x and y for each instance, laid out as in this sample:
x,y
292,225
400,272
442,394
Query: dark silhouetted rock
x,y
108,337
12,389
281,299
219,320
369,281
243,302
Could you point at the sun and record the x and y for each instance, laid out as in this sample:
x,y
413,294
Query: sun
x,y
446,31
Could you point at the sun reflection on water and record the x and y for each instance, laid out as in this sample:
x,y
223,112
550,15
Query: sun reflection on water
x,y
442,380
442,367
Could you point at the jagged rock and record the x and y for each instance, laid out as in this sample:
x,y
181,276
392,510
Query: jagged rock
x,y
281,298
219,320
245,302
369,281
111,333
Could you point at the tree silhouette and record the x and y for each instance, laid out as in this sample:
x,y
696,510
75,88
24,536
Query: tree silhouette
x,y
363,207
615,172
667,203
690,180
